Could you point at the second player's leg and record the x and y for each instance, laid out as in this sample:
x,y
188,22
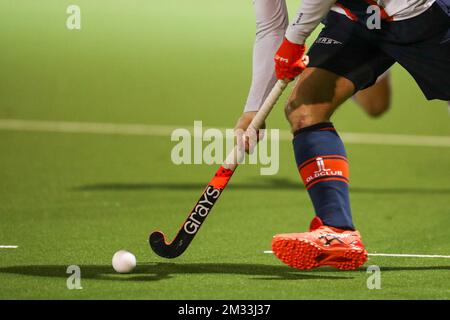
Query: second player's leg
x,y
376,99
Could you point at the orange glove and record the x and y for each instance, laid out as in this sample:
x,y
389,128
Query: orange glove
x,y
289,60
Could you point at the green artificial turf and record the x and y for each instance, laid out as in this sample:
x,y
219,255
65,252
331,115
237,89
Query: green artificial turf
x,y
75,199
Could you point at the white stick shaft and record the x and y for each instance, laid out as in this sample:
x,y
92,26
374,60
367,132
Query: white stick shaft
x,y
237,155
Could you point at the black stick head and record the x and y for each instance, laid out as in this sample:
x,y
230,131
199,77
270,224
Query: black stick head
x,y
157,238
159,245
171,250
194,220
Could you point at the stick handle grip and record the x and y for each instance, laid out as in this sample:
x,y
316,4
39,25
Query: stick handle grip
x,y
237,155
268,105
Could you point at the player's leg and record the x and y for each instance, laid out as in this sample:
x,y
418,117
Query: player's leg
x,y
340,65
323,167
316,95
376,100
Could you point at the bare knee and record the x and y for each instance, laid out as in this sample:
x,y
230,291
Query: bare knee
x,y
315,97
301,115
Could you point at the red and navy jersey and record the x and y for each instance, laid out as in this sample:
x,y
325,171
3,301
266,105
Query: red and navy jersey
x,y
389,9
312,12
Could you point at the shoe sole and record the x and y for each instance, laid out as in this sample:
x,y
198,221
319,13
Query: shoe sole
x,y
304,254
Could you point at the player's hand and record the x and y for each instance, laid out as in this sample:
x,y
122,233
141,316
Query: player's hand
x,y
290,60
244,138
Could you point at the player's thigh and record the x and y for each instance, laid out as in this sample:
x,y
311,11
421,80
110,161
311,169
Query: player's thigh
x,y
342,49
426,56
429,68
317,93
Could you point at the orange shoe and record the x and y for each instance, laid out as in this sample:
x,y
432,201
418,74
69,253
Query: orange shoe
x,y
321,246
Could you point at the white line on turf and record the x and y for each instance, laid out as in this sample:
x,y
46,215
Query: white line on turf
x,y
164,130
397,255
401,255
8,247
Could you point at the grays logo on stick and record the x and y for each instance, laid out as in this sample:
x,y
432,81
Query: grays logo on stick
x,y
201,210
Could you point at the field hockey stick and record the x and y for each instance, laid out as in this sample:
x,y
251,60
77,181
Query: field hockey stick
x,y
214,188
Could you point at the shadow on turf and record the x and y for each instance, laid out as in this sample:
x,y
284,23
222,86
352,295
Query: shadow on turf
x,y
268,184
160,271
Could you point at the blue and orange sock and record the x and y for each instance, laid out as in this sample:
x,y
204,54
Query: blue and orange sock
x,y
323,166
